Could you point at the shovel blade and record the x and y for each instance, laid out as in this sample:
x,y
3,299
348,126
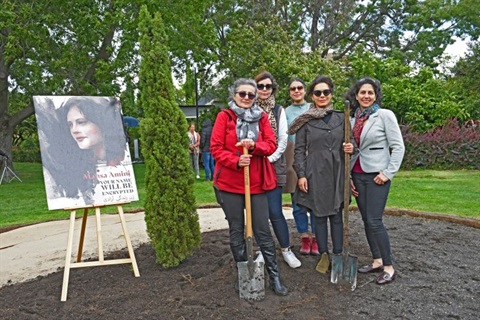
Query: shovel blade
x,y
337,268
251,288
344,267
350,271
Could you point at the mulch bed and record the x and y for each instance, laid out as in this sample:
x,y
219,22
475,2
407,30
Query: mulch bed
x,y
438,267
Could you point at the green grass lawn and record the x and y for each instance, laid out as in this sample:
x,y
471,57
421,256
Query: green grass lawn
x,y
450,192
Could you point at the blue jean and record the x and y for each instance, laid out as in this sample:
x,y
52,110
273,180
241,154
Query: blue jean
x,y
371,202
275,213
208,164
300,215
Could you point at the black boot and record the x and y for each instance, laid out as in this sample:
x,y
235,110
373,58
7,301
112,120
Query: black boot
x,y
276,285
239,254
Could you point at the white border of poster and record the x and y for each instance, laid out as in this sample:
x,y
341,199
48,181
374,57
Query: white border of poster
x,y
85,155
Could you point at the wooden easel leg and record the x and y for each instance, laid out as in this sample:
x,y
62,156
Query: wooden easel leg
x,y
82,234
68,257
99,235
129,243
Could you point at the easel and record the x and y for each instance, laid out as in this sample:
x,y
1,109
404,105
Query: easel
x,y
7,173
101,261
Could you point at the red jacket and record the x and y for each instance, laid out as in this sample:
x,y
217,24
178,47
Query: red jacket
x,y
228,177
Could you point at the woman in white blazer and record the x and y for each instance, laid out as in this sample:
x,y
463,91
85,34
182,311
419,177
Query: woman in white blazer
x,y
380,142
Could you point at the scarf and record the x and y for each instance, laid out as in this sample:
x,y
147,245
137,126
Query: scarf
x,y
192,136
310,114
360,117
268,105
247,121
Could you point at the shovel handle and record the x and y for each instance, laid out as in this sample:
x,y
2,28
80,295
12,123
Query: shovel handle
x,y
248,204
346,187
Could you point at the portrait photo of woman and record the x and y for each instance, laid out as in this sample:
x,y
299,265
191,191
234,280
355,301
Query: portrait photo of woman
x,y
85,155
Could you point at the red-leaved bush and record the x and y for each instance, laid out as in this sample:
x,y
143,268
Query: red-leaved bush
x,y
452,146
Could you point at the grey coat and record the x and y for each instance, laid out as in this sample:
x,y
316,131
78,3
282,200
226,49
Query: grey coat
x,y
320,158
381,144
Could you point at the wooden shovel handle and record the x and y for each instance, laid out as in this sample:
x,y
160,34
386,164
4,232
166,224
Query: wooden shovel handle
x,y
248,205
346,187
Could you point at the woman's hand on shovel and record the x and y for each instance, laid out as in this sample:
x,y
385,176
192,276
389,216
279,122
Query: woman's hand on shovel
x,y
246,143
244,160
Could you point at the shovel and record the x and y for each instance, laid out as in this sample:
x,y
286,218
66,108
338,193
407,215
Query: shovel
x,y
251,278
344,266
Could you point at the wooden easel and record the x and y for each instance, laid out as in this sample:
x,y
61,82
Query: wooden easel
x,y
101,261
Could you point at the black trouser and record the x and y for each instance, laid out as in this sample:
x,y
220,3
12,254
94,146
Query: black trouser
x,y
233,206
371,202
336,229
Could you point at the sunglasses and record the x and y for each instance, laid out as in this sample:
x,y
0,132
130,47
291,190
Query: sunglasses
x,y
244,94
264,86
299,88
318,93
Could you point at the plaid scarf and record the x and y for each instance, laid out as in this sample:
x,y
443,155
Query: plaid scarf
x,y
360,117
268,105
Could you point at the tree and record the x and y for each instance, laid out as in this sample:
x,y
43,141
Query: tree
x,y
61,48
466,81
84,47
170,210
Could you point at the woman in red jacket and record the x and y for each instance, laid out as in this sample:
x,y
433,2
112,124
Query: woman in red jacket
x,y
244,124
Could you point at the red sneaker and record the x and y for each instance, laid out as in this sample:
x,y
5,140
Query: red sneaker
x,y
314,248
306,248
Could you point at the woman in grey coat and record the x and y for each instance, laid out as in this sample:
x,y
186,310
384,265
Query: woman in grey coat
x,y
319,164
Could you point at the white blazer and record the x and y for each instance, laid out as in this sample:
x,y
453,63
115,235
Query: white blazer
x,y
381,144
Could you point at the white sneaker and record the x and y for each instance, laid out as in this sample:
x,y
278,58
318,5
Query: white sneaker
x,y
290,259
198,177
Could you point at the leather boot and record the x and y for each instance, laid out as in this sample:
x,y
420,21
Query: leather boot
x,y
269,254
239,254
314,247
239,251
306,247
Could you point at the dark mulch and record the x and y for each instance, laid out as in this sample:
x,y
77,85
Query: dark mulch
x,y
437,261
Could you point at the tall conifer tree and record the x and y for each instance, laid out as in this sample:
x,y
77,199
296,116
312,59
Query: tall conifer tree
x,y
170,209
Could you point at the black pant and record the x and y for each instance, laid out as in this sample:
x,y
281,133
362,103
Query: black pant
x,y
336,229
371,202
233,206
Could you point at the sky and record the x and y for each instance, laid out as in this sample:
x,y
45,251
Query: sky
x,y
458,49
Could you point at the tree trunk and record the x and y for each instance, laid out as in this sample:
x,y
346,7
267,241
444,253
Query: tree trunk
x,y
6,133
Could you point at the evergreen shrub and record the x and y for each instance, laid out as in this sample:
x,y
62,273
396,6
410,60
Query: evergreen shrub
x,y
170,209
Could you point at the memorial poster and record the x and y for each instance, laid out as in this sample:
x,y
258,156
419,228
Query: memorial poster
x,y
85,156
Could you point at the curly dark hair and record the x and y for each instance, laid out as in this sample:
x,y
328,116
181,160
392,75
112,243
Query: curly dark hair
x,y
352,93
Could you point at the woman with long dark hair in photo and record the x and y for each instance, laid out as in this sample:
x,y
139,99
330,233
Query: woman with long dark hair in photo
x,y
81,136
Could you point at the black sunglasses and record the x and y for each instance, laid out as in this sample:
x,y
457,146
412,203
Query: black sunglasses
x,y
244,94
318,93
264,86
299,88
